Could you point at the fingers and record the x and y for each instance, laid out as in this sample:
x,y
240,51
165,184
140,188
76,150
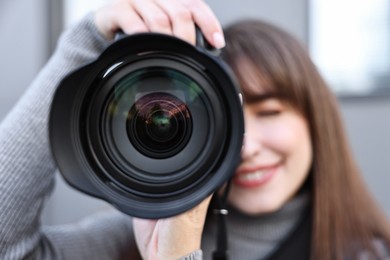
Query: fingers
x,y
174,17
171,238
155,18
129,21
182,234
143,231
118,16
184,14
208,23
197,214
181,19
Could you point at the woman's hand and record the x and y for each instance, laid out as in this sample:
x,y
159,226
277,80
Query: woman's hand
x,y
174,17
171,238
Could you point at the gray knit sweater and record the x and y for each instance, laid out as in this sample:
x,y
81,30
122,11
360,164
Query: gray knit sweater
x,y
27,178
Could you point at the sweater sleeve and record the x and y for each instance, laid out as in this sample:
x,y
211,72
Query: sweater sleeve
x,y
27,167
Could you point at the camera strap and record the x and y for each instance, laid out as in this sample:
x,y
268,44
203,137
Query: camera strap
x,y
221,253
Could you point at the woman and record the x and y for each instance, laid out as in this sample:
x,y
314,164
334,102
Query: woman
x,y
296,168
278,78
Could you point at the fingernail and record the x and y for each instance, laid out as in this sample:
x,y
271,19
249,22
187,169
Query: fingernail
x,y
219,41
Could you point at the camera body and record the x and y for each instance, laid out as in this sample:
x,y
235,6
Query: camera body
x,y
153,126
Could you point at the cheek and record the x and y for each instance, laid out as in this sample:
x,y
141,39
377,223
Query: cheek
x,y
290,138
282,136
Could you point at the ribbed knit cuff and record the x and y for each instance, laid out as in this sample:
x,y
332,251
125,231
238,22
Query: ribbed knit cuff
x,y
196,255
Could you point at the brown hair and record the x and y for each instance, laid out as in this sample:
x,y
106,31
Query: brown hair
x,y
345,217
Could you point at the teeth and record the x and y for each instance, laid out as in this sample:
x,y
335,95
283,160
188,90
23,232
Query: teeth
x,y
253,175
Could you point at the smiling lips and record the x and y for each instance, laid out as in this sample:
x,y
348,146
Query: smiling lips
x,y
250,178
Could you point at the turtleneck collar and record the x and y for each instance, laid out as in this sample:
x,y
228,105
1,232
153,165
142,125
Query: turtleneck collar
x,y
256,237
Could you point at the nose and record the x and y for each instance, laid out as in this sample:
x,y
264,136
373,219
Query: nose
x,y
252,144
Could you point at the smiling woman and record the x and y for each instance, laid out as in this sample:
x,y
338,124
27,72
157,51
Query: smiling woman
x,y
276,157
295,144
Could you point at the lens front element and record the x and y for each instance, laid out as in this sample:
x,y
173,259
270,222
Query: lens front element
x,y
156,123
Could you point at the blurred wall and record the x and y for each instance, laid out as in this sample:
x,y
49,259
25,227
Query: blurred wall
x,y
23,47
367,120
290,15
36,23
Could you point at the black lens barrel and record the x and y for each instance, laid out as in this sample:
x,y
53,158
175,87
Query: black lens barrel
x,y
153,126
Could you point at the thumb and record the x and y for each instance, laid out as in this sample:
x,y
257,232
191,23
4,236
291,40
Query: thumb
x,y
181,235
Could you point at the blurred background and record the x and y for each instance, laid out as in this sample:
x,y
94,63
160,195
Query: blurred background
x,y
348,40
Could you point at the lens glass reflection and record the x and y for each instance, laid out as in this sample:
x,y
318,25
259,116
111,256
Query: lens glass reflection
x,y
159,124
156,107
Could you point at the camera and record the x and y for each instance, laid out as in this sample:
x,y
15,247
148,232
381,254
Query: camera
x,y
153,126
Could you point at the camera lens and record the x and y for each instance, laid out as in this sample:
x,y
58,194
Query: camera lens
x,y
159,125
153,126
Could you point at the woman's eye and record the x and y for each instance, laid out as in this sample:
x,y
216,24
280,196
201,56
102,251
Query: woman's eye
x,y
269,112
